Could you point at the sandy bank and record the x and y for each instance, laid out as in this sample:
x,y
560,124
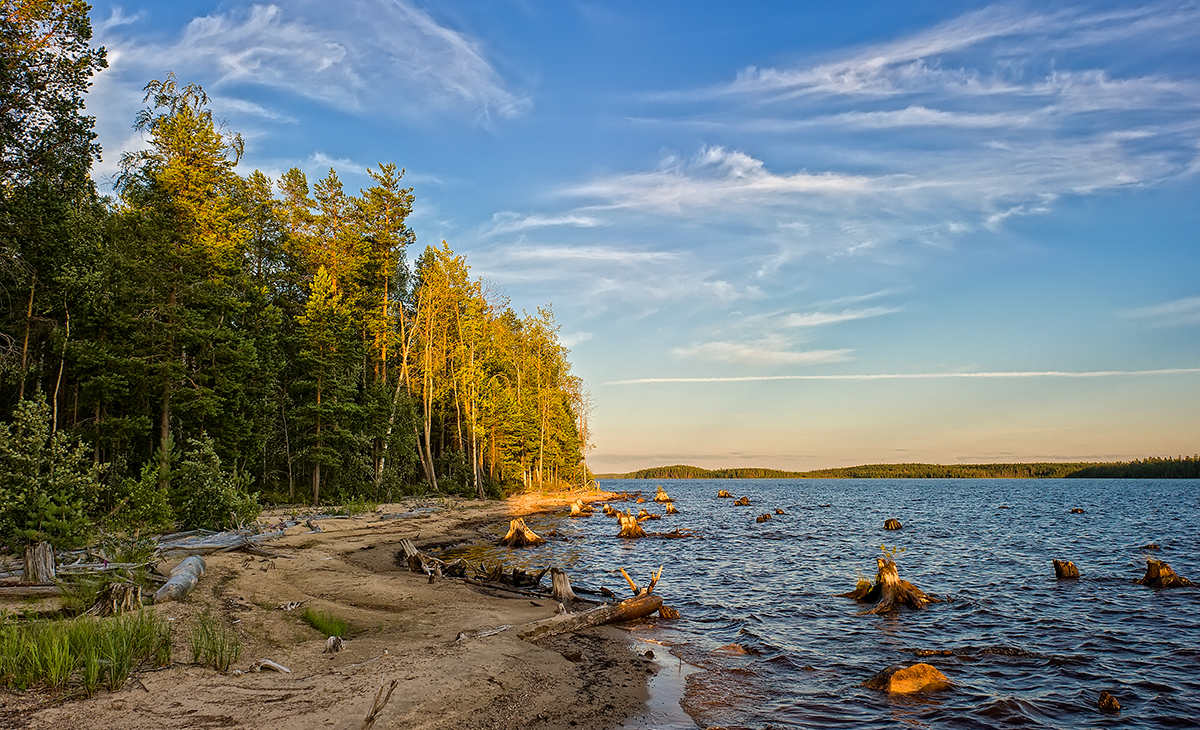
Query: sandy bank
x,y
403,628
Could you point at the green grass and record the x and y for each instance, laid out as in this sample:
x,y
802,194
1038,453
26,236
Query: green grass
x,y
83,652
214,644
326,623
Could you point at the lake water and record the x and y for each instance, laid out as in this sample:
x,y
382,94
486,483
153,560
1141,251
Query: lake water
x,y
779,648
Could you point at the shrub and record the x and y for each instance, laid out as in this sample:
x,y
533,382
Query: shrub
x,y
206,496
47,480
141,504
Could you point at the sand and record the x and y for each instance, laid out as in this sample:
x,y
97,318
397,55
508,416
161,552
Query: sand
x,y
404,629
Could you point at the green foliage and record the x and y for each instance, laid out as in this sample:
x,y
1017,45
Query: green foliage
x,y
204,495
47,482
891,553
213,643
1183,467
326,623
90,652
141,503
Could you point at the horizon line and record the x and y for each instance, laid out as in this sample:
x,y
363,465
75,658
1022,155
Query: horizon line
x,y
912,376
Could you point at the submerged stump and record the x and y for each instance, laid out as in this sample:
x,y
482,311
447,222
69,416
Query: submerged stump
x,y
661,496
579,509
724,494
742,502
671,509
630,526
1065,569
1159,575
763,517
892,524
519,535
889,592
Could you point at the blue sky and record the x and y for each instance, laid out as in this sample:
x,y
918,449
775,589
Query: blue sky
x,y
774,234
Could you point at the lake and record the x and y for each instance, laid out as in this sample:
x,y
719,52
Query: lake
x,y
779,648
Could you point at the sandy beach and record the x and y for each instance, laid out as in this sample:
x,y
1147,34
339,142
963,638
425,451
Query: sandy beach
x,y
403,628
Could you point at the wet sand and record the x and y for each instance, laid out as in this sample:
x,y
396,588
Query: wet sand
x,y
403,628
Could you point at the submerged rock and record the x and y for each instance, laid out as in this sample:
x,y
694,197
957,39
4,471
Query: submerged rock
x,y
1159,575
1108,703
900,679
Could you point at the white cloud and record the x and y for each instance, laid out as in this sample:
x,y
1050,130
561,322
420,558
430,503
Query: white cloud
x,y
817,319
1184,312
509,222
768,351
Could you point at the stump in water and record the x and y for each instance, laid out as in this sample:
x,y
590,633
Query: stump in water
x,y
889,592
1108,704
742,502
1065,569
1159,575
561,586
630,526
671,509
763,517
644,515
521,536
609,511
662,495
39,564
779,511
641,500
892,524
579,509
115,599
723,494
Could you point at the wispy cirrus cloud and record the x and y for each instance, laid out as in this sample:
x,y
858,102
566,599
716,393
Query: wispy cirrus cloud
x,y
769,351
510,222
817,319
1181,312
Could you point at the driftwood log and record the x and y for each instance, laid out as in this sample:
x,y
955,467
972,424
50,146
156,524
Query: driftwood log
x,y
19,591
1064,569
39,564
889,592
629,526
1159,575
643,603
519,535
182,580
661,496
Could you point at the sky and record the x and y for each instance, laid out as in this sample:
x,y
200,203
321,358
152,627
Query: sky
x,y
774,234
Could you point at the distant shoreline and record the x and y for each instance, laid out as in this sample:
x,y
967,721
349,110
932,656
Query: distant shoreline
x,y
1181,467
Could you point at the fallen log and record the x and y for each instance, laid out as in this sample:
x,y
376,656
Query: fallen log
x,y
630,609
519,535
1159,575
889,592
629,526
182,580
20,591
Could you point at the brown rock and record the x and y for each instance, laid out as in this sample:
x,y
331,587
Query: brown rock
x,y
1065,569
900,679
742,502
1108,703
892,524
763,517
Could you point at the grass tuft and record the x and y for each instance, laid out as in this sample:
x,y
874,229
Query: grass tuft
x,y
214,644
326,623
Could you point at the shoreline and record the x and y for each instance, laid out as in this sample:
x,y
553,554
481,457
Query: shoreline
x,y
403,628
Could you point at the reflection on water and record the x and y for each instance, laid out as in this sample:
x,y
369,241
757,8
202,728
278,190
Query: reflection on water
x,y
1019,646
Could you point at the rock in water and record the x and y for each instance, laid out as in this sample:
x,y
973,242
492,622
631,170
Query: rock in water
x,y
900,679
892,524
1108,703
763,517
1065,569
1159,575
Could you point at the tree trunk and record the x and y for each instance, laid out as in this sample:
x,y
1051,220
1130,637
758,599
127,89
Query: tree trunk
x,y
889,592
25,345
184,578
39,564
630,609
561,586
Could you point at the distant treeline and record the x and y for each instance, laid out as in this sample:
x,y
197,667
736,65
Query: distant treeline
x,y
1182,467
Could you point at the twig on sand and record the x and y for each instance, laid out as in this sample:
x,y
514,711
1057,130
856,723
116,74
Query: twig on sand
x,y
377,706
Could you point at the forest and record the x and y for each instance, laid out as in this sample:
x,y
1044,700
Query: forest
x,y
1180,467
205,339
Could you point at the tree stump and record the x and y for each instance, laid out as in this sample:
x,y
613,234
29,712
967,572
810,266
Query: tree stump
x,y
723,494
579,509
742,502
1108,704
671,509
561,586
39,564
1159,575
779,511
889,592
763,517
662,495
115,599
521,536
644,515
641,500
1064,569
630,526
892,524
